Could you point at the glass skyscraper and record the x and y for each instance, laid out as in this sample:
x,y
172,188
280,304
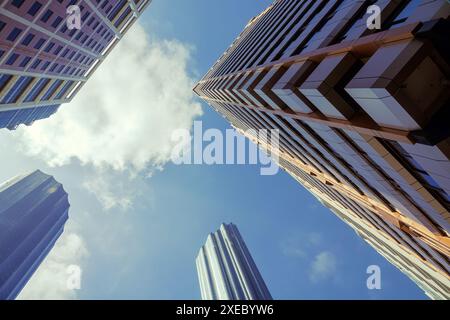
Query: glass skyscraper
x,y
33,211
226,269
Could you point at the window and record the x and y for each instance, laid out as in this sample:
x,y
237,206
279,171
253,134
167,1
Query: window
x,y
420,173
45,65
357,20
51,90
17,3
12,58
108,9
58,50
36,90
405,11
14,34
85,16
116,10
39,44
4,79
24,62
56,22
36,63
49,47
91,20
29,37
54,66
34,8
16,90
2,25
65,53
64,90
47,15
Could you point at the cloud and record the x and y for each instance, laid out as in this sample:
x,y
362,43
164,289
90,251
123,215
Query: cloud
x,y
299,244
110,194
124,116
323,267
50,279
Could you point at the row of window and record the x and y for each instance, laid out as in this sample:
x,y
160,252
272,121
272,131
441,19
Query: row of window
x,y
36,6
96,45
23,83
290,148
42,65
427,180
292,27
15,33
11,119
420,173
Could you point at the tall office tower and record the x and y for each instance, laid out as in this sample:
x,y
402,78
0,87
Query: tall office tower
x,y
226,270
362,115
45,59
33,210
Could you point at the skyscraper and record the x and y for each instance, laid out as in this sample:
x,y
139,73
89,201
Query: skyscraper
x,y
33,211
362,115
226,269
44,62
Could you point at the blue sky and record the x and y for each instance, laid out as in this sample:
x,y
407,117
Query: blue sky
x,y
140,239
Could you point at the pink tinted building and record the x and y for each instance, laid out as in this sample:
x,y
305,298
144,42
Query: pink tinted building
x,y
43,63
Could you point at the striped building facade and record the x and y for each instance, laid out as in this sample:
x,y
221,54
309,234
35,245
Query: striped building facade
x,y
44,62
362,115
33,211
226,269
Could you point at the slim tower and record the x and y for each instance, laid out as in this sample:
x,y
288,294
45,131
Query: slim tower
x,y
33,211
226,269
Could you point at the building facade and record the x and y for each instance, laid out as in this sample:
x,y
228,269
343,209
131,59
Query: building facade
x,y
226,270
44,61
362,116
33,211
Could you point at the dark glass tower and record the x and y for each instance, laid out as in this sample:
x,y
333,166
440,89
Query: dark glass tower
x,y
33,211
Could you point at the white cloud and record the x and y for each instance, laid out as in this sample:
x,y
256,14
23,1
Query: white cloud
x,y
124,116
119,125
299,244
323,267
110,194
50,279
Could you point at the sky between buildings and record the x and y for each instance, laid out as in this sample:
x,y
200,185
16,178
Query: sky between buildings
x,y
136,220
